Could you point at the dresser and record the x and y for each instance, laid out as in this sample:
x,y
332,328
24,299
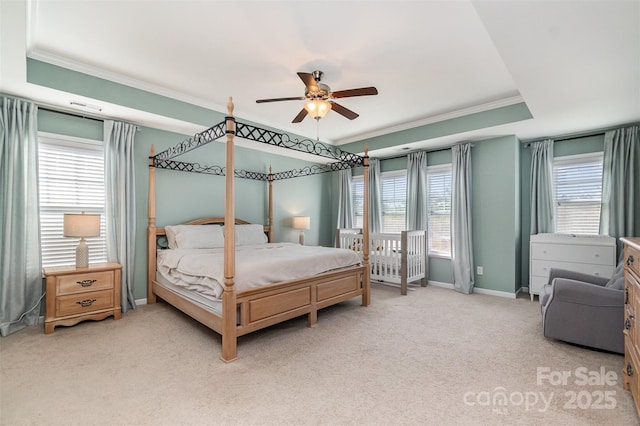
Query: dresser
x,y
594,255
632,309
79,294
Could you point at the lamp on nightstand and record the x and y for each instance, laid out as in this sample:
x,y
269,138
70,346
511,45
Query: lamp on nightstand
x,y
301,223
81,225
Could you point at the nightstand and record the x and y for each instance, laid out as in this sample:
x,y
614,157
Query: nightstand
x,y
79,294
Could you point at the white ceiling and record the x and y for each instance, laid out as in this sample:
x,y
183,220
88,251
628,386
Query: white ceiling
x,y
575,64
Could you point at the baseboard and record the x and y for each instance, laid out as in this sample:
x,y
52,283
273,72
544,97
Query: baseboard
x,y
478,290
141,301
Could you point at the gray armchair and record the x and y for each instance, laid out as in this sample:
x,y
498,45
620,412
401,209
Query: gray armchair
x,y
584,309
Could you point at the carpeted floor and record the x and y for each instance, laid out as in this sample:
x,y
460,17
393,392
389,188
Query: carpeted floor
x,y
432,357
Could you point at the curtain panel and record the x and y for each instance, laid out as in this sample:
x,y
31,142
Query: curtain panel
x,y
543,218
375,196
20,264
461,231
620,184
345,200
120,203
416,218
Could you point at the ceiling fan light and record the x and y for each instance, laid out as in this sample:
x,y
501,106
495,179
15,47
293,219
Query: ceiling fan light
x,y
317,108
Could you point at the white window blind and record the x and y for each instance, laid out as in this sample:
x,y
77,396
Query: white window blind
x,y
71,173
439,208
357,194
394,201
578,191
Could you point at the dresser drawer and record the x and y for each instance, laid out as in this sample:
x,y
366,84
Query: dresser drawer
x,y
85,282
537,283
632,259
588,254
541,268
84,302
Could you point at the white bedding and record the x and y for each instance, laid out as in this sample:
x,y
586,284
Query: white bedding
x,y
202,270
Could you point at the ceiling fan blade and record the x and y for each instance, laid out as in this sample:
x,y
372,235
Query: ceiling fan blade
x,y
343,111
309,81
297,98
363,91
301,115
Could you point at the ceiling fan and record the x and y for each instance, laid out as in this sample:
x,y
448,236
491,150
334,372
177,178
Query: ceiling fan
x,y
319,98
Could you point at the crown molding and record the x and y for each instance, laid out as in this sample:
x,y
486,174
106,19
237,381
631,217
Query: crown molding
x,y
433,119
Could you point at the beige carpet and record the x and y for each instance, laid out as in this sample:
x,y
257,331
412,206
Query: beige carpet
x,y
432,357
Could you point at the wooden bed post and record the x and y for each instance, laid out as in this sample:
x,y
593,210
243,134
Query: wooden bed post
x,y
270,205
366,285
151,230
229,306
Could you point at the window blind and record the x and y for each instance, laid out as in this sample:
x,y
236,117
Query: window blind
x,y
394,201
578,191
357,193
71,179
439,208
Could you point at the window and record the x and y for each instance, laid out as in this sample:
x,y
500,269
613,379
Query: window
x,y
357,193
394,200
71,173
578,191
439,208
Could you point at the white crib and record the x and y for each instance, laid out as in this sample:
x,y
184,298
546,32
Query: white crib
x,y
395,258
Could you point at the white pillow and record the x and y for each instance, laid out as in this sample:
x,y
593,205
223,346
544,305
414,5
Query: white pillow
x,y
250,234
170,231
196,236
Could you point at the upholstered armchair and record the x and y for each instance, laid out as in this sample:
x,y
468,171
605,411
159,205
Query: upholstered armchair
x,y
584,309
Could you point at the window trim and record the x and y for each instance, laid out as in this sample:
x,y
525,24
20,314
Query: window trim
x,y
575,159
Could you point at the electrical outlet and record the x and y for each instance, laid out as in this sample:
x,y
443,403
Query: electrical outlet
x,y
480,270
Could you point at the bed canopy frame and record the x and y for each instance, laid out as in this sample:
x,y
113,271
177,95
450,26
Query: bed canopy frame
x,y
230,127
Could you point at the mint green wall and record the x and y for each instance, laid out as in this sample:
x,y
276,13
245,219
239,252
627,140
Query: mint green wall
x,y
560,149
495,207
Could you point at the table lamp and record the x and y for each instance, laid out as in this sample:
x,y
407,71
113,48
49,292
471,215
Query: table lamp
x,y
81,225
301,223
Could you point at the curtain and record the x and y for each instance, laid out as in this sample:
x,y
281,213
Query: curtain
x,y
120,205
417,191
375,197
20,265
543,218
461,238
620,184
345,200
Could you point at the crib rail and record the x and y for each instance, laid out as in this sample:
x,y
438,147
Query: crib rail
x,y
394,258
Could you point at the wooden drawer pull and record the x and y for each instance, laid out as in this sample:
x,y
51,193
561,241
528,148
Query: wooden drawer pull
x,y
629,370
630,260
85,283
627,324
85,303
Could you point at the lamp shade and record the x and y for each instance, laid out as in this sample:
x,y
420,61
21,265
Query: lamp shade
x,y
81,225
301,222
317,108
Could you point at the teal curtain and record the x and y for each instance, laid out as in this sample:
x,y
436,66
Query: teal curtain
x,y
375,196
543,218
620,184
20,266
345,200
120,203
417,191
461,231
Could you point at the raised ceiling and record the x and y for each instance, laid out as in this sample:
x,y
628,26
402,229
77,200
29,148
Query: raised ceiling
x,y
576,65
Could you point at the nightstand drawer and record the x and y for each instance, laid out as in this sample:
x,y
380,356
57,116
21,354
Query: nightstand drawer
x,y
80,283
84,302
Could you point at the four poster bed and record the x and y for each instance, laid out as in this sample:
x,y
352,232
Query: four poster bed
x,y
218,270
